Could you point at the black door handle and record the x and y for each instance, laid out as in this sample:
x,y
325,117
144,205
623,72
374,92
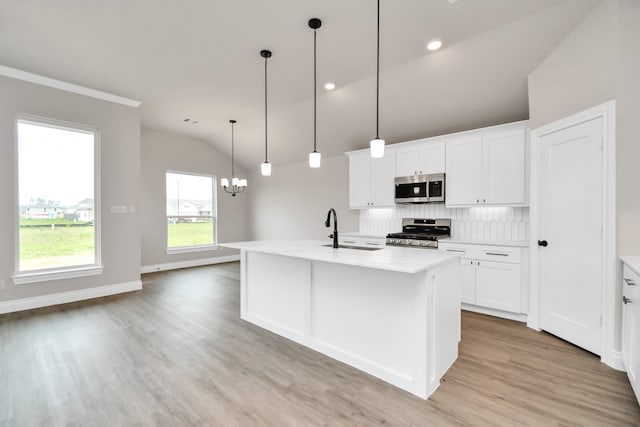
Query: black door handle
x,y
625,300
542,243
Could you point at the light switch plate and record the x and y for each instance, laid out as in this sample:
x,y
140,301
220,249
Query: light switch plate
x,y
118,210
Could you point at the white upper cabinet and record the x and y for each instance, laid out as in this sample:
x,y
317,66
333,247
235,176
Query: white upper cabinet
x,y
487,168
420,157
464,171
371,180
505,167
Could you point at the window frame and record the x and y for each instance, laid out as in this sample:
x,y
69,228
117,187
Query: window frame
x,y
66,272
214,216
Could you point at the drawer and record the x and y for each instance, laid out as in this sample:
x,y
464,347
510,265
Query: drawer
x,y
630,283
465,251
362,241
499,254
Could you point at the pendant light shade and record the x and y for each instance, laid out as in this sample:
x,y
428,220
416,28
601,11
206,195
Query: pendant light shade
x,y
314,156
377,144
265,167
314,159
377,148
237,185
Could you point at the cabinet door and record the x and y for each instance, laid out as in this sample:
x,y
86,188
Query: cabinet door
x,y
633,370
498,285
627,328
407,161
468,281
504,167
464,171
383,173
359,181
631,328
432,158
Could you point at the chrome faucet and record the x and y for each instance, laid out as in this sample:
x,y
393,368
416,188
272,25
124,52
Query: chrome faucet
x,y
327,223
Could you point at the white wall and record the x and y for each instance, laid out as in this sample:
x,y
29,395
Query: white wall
x,y
162,151
120,181
293,202
628,130
580,72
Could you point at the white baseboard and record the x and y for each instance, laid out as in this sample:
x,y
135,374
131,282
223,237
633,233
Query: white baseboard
x,y
190,263
614,360
519,317
69,296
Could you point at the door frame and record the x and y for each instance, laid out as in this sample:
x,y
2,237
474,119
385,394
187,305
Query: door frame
x,y
606,111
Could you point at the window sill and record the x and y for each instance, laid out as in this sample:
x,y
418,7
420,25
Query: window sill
x,y
44,276
189,249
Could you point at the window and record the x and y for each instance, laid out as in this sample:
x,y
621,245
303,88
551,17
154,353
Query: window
x,y
58,220
190,212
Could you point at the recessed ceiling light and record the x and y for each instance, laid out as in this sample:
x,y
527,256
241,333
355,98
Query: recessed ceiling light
x,y
329,86
434,44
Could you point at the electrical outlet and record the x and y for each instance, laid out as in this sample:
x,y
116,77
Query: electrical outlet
x,y
3,285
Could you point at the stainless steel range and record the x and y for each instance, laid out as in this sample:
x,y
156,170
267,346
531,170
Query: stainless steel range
x,y
421,232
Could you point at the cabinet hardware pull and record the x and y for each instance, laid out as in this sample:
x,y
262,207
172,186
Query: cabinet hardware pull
x,y
372,244
455,250
496,253
477,200
349,241
542,243
484,200
630,282
625,300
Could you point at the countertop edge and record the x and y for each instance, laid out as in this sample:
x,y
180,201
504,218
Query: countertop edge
x,y
633,262
442,258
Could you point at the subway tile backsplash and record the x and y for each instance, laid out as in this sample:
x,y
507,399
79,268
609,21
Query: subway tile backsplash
x,y
481,223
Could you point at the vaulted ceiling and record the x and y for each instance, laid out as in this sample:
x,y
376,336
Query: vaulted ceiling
x,y
199,59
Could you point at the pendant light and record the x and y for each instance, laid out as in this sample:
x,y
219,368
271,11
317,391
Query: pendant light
x,y
377,144
265,167
314,156
237,185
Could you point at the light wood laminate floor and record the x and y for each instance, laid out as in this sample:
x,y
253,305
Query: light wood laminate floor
x,y
177,353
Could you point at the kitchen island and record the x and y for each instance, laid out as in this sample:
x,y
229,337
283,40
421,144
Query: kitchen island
x,y
393,312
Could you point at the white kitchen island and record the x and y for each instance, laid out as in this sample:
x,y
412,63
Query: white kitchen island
x,y
393,313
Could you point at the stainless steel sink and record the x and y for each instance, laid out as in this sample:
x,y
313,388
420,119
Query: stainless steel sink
x,y
361,248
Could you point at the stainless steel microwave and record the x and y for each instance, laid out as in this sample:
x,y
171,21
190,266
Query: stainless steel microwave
x,y
420,189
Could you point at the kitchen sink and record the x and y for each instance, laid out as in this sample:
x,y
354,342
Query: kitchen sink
x,y
361,248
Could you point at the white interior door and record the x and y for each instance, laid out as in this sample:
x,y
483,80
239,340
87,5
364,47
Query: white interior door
x,y
570,213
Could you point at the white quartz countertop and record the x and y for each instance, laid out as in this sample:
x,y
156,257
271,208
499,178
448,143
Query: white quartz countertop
x,y
403,260
633,262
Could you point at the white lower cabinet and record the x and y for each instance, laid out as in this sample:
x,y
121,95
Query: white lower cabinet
x,y
631,327
498,285
491,277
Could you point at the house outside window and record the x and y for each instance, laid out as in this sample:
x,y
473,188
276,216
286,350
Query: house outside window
x,y
191,212
58,229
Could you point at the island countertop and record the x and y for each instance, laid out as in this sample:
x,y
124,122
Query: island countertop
x,y
402,260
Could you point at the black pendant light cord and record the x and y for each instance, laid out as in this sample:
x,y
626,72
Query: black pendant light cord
x,y
315,90
233,173
378,75
265,109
